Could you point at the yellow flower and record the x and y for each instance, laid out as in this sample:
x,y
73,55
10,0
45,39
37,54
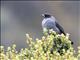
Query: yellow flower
x,y
9,48
79,47
1,47
36,46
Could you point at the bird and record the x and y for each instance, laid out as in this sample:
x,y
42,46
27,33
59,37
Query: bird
x,y
50,22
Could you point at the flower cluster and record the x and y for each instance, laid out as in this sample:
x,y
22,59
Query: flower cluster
x,y
51,46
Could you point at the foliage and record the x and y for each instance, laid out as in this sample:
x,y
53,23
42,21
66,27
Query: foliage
x,y
52,46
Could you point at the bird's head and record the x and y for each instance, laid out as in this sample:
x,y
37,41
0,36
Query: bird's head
x,y
46,15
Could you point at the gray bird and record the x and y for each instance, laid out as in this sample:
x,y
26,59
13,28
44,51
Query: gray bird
x,y
49,22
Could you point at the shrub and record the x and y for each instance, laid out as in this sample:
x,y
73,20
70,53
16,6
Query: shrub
x,y
51,46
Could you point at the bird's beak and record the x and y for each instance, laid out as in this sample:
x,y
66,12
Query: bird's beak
x,y
42,15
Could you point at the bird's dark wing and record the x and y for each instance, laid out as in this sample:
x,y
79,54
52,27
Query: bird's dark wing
x,y
60,28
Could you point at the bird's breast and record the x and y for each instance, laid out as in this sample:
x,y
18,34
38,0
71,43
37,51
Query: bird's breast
x,y
46,20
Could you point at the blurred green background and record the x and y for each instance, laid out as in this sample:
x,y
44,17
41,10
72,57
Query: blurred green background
x,y
21,17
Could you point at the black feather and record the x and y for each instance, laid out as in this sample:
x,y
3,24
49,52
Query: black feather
x,y
60,28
